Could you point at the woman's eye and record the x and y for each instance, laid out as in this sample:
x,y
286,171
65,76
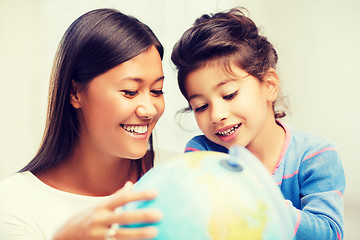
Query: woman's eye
x,y
157,93
231,96
201,108
129,93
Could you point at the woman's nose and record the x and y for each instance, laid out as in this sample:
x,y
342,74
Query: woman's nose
x,y
146,109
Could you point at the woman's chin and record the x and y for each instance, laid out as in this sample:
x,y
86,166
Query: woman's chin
x,y
137,154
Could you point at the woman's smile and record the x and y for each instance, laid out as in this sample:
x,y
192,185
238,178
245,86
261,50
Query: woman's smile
x,y
120,107
139,132
135,129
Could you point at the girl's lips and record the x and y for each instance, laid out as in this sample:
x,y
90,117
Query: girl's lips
x,y
228,134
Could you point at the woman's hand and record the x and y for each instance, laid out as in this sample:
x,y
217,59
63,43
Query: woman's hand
x,y
94,223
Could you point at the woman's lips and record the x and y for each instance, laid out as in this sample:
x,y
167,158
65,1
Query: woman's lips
x,y
139,132
135,129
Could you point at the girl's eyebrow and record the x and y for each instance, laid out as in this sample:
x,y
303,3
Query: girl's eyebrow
x,y
215,87
194,96
222,83
230,80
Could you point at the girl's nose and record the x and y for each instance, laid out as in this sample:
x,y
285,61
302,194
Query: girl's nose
x,y
218,113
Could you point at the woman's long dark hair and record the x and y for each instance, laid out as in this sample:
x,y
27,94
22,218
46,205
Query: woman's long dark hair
x,y
94,43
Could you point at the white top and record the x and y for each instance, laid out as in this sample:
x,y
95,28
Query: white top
x,y
32,210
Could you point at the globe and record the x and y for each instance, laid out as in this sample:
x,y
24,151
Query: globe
x,y
215,196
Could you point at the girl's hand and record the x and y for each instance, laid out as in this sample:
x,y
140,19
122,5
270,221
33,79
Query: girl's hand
x,y
94,223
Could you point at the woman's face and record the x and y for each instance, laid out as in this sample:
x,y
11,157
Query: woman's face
x,y
119,108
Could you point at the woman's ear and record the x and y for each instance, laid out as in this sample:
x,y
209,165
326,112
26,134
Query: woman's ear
x,y
271,81
75,96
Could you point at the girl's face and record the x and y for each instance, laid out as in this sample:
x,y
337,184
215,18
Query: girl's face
x,y
229,109
119,109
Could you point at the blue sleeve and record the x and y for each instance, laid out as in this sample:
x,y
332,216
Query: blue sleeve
x,y
195,144
322,183
201,143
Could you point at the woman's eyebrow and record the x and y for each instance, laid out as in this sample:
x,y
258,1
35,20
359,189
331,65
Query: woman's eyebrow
x,y
137,79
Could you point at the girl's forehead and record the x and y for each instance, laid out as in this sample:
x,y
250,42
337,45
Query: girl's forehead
x,y
225,65
215,74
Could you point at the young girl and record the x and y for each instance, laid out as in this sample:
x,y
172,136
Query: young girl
x,y
226,71
105,99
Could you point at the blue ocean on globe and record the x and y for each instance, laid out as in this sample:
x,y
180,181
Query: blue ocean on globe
x,y
215,196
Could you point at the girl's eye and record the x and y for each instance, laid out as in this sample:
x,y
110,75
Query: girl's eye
x,y
201,108
157,93
231,96
129,93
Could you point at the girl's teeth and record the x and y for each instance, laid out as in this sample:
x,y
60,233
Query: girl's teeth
x,y
230,131
135,129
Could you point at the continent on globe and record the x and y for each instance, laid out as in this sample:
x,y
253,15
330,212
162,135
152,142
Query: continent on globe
x,y
215,196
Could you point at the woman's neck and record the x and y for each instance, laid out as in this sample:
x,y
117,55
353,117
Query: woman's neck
x,y
91,174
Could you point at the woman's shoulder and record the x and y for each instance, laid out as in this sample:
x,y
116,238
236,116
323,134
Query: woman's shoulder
x,y
13,184
28,203
14,191
17,215
23,189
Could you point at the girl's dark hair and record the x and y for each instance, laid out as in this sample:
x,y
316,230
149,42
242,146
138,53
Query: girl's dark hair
x,y
94,43
227,37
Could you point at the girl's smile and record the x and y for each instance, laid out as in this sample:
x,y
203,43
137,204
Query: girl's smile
x,y
228,134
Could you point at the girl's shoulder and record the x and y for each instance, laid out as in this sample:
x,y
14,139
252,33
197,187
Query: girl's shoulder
x,y
202,143
304,145
306,139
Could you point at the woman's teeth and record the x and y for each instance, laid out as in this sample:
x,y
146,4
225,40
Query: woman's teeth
x,y
135,129
229,131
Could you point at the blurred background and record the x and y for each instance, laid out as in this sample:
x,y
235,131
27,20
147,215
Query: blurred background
x,y
317,42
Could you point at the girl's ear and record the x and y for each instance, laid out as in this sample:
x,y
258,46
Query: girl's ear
x,y
271,81
75,96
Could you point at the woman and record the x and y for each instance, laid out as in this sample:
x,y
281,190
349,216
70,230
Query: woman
x,y
104,101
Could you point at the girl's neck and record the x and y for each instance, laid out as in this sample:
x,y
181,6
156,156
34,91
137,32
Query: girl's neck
x,y
267,146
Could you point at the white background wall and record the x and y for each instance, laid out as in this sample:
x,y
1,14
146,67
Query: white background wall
x,y
317,42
